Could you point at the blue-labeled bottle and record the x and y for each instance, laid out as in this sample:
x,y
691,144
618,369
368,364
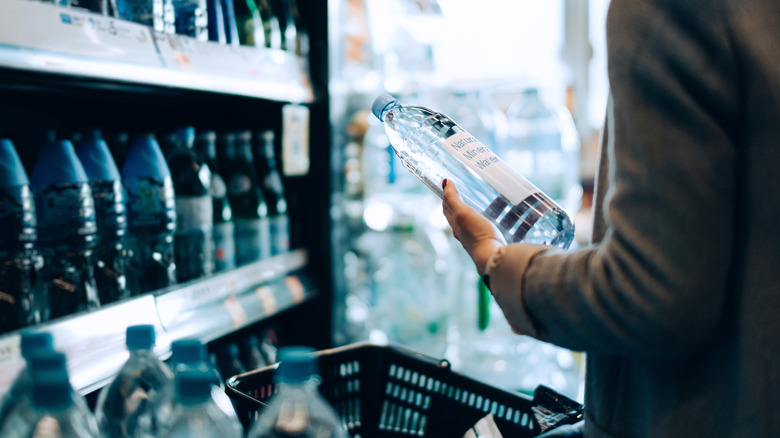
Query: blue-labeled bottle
x,y
157,14
216,21
250,211
110,260
270,178
223,229
191,18
67,231
433,147
151,217
193,246
18,251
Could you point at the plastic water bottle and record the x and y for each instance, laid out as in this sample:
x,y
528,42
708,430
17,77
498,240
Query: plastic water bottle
x,y
195,414
543,145
151,217
193,245
222,226
18,251
229,360
250,210
190,354
137,390
433,147
67,231
191,18
54,412
297,409
273,191
30,343
110,260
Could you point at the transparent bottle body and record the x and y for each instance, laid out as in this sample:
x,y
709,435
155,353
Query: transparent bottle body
x,y
298,410
202,420
65,423
418,137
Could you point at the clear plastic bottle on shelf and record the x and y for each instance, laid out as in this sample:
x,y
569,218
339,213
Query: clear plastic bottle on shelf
x,y
195,414
137,390
433,147
543,145
297,409
223,229
18,251
151,217
110,260
67,231
193,243
54,412
273,191
190,354
29,343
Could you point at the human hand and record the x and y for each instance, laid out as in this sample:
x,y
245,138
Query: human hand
x,y
477,235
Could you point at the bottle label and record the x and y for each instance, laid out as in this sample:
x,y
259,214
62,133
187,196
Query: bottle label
x,y
490,167
253,240
194,213
280,232
65,212
150,205
224,246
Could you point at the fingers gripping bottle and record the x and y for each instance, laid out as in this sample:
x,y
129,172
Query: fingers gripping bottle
x,y
433,147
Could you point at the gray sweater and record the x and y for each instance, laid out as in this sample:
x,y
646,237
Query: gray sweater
x,y
677,302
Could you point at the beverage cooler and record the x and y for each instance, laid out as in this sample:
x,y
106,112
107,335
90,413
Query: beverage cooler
x,y
160,104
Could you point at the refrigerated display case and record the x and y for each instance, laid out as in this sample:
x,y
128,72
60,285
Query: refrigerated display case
x,y
67,69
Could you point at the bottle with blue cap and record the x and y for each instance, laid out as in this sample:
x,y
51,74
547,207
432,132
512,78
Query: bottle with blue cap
x,y
54,410
110,260
190,354
29,344
195,415
296,380
151,217
434,148
67,231
18,250
193,245
137,390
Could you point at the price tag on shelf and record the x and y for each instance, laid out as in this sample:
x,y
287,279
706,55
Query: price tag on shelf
x,y
297,291
235,310
295,139
267,298
51,28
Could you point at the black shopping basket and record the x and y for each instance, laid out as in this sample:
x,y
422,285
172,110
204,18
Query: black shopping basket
x,y
391,391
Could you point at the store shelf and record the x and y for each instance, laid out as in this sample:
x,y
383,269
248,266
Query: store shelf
x,y
45,38
206,309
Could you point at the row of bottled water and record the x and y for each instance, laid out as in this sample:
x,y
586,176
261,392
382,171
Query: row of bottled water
x,y
274,24
149,398
80,234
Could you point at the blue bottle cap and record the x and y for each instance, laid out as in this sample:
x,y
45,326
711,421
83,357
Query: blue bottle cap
x,y
193,386
140,337
51,391
12,171
58,163
42,361
97,160
296,364
145,159
188,351
380,105
33,341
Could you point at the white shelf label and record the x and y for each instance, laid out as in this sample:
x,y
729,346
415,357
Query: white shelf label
x,y
295,140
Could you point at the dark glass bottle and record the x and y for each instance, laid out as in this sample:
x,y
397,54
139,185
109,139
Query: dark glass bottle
x,y
18,251
272,32
223,229
67,232
151,217
273,191
110,261
193,245
250,211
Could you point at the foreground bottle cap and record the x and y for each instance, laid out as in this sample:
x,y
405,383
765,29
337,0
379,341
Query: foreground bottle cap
x,y
52,390
193,386
12,172
58,163
140,337
296,364
145,160
381,103
42,361
186,351
97,160
31,342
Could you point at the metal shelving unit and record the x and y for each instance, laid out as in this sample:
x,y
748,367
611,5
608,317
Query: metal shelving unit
x,y
47,48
